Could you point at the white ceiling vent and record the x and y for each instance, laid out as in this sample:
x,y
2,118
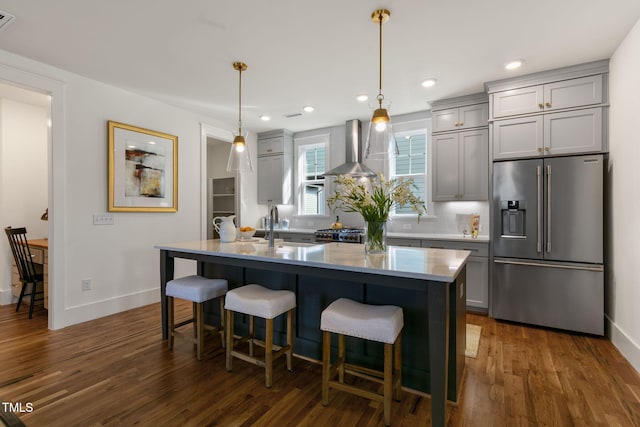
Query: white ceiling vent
x,y
5,19
292,115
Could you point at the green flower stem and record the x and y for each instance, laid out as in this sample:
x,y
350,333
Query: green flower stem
x,y
376,241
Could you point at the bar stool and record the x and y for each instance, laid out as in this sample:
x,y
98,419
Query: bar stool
x,y
382,323
258,301
196,289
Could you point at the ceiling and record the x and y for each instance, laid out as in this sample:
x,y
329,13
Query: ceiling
x,y
309,53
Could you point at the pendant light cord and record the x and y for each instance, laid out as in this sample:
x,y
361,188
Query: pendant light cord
x,y
240,102
380,95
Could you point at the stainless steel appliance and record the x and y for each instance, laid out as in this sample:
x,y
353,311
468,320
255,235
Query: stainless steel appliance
x,y
548,242
346,235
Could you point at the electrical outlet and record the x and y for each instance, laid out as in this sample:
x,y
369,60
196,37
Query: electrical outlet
x,y
86,284
103,219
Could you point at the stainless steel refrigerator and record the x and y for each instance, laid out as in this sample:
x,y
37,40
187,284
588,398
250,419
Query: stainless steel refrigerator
x,y
548,242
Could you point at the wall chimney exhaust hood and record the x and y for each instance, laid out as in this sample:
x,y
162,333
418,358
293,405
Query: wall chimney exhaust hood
x,y
354,148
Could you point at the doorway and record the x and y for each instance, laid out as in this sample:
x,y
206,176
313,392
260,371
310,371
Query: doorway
x,y
24,175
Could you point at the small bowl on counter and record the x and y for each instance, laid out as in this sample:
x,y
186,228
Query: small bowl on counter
x,y
246,233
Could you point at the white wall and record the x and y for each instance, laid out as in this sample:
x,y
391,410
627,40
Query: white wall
x,y
120,259
23,177
623,245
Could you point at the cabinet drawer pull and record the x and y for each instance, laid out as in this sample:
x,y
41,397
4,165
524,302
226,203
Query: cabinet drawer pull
x,y
540,105
539,149
461,123
548,104
546,149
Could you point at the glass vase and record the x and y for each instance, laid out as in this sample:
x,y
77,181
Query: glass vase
x,y
375,234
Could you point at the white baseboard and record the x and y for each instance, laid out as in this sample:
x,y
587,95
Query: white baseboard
x,y
629,349
97,309
6,297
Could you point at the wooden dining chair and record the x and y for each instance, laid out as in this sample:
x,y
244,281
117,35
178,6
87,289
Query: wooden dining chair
x,y
29,274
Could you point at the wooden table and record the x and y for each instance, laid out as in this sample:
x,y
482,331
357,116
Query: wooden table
x,y
429,284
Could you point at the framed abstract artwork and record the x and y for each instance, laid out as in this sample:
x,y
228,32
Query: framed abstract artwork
x,y
143,169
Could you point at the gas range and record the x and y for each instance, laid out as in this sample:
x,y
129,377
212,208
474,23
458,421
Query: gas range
x,y
346,235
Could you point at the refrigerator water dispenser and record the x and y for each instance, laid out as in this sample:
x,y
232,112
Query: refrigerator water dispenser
x,y
514,214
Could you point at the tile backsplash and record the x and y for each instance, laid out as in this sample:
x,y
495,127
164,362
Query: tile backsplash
x,y
444,217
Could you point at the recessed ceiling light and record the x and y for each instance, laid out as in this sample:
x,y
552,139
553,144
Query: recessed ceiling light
x,y
308,109
362,98
265,118
429,82
512,65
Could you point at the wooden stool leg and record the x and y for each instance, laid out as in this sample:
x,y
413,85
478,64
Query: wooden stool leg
x,y
222,322
398,369
388,382
326,365
229,338
290,340
268,352
199,319
194,316
252,325
341,358
171,322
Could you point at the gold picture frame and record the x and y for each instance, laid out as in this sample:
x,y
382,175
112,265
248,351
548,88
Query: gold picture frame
x,y
143,169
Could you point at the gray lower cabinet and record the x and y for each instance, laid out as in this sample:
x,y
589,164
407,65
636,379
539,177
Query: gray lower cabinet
x,y
399,241
296,237
477,266
477,269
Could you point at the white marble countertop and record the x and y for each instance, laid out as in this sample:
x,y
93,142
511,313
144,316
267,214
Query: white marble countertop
x,y
418,263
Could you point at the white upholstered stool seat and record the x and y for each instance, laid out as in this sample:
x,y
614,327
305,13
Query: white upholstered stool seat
x,y
258,301
196,289
381,323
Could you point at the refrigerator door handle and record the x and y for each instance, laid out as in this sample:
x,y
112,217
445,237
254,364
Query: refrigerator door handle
x,y
548,209
539,211
596,268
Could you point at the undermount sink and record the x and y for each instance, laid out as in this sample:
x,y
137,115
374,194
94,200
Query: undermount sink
x,y
296,244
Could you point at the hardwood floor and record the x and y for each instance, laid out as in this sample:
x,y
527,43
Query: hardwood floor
x,y
117,371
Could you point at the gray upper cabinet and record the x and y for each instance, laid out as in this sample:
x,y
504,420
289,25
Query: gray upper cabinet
x,y
567,132
563,94
460,166
521,137
466,117
552,113
275,184
460,149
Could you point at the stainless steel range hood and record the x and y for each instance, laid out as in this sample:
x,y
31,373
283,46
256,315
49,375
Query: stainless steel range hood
x,y
354,150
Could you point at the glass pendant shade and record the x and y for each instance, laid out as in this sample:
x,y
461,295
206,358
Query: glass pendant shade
x,y
239,157
381,141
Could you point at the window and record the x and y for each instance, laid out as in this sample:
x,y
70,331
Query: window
x,y
312,155
411,163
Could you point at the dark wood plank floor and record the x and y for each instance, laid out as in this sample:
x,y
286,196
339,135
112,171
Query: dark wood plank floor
x,y
117,371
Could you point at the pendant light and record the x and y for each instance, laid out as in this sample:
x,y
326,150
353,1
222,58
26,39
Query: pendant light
x,y
239,158
380,138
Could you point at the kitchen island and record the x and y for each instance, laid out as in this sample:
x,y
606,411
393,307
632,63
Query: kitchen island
x,y
429,284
